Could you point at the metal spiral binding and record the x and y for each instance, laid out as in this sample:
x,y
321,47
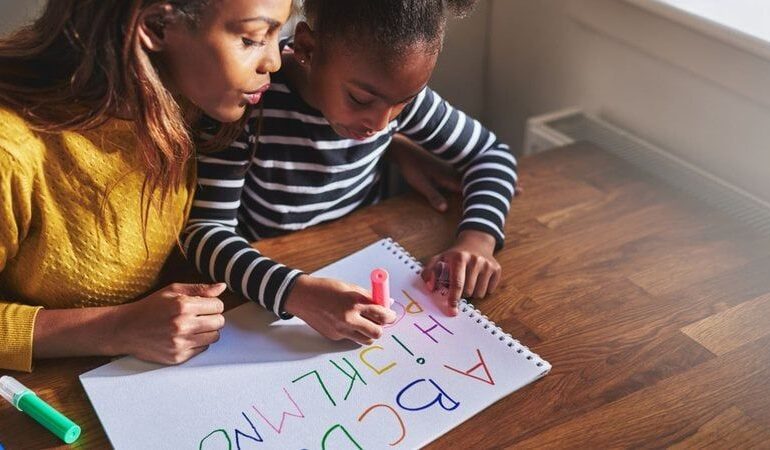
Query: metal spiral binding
x,y
472,312
397,250
465,306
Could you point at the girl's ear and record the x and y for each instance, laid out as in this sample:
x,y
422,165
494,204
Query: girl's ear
x,y
151,28
304,44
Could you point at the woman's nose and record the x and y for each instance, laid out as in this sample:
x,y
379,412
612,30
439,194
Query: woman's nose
x,y
271,62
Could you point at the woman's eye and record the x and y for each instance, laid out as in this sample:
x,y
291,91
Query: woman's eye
x,y
251,43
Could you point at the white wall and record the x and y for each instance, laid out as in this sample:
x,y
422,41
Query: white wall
x,y
460,71
16,12
706,101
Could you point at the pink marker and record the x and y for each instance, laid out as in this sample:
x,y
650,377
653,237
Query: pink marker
x,y
380,287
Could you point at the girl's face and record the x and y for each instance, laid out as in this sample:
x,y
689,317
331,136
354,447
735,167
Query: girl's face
x,y
360,93
223,64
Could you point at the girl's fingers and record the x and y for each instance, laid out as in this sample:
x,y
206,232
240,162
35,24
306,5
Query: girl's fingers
x,y
360,338
456,284
428,273
430,266
364,332
429,276
472,270
367,328
493,281
378,314
482,283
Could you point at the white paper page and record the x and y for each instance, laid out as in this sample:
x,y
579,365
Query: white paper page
x,y
270,383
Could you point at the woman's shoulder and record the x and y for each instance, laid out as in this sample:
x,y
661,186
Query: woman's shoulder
x,y
19,143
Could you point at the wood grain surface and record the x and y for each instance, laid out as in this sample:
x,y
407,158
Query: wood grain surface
x,y
653,309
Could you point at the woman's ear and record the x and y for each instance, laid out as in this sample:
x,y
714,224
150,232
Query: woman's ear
x,y
152,26
304,44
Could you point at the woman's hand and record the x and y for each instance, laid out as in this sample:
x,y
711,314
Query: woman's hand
x,y
338,310
171,325
473,270
423,172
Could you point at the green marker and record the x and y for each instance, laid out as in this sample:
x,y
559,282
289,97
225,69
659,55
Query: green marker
x,y
26,400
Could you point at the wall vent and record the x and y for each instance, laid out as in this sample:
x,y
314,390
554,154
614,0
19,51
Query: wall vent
x,y
572,125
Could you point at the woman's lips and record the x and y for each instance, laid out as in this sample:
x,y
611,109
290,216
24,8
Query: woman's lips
x,y
253,97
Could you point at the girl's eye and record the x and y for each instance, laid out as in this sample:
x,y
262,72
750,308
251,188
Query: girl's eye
x,y
251,43
357,101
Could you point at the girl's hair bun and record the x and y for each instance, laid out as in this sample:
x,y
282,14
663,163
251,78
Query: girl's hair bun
x,y
461,8
390,26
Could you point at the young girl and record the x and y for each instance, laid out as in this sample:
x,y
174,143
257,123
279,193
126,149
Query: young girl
x,y
356,76
94,183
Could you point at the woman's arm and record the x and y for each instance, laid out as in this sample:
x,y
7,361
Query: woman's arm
x,y
169,326
75,332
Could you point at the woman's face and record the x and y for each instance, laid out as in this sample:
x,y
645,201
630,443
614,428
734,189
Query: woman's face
x,y
223,64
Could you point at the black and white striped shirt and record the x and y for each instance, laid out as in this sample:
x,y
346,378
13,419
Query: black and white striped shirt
x,y
302,173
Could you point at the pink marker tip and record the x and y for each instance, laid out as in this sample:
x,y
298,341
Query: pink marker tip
x,y
380,287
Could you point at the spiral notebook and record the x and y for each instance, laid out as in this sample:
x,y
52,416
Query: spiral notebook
x,y
278,384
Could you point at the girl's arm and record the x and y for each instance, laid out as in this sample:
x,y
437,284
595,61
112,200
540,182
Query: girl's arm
x,y
210,240
488,184
335,309
487,165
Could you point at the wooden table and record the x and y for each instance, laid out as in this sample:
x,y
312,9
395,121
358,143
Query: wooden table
x,y
653,309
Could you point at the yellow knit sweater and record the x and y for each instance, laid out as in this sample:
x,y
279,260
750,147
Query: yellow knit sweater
x,y
61,245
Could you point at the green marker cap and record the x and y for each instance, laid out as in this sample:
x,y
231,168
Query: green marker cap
x,y
25,400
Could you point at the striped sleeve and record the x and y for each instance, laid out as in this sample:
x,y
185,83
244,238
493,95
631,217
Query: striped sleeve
x,y
487,165
210,240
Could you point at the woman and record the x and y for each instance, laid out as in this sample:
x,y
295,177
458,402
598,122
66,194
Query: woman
x,y
97,102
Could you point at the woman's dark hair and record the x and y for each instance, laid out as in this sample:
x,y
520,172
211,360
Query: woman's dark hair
x,y
80,63
389,25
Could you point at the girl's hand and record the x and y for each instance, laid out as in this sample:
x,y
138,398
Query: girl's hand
x,y
473,271
171,325
423,172
338,310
